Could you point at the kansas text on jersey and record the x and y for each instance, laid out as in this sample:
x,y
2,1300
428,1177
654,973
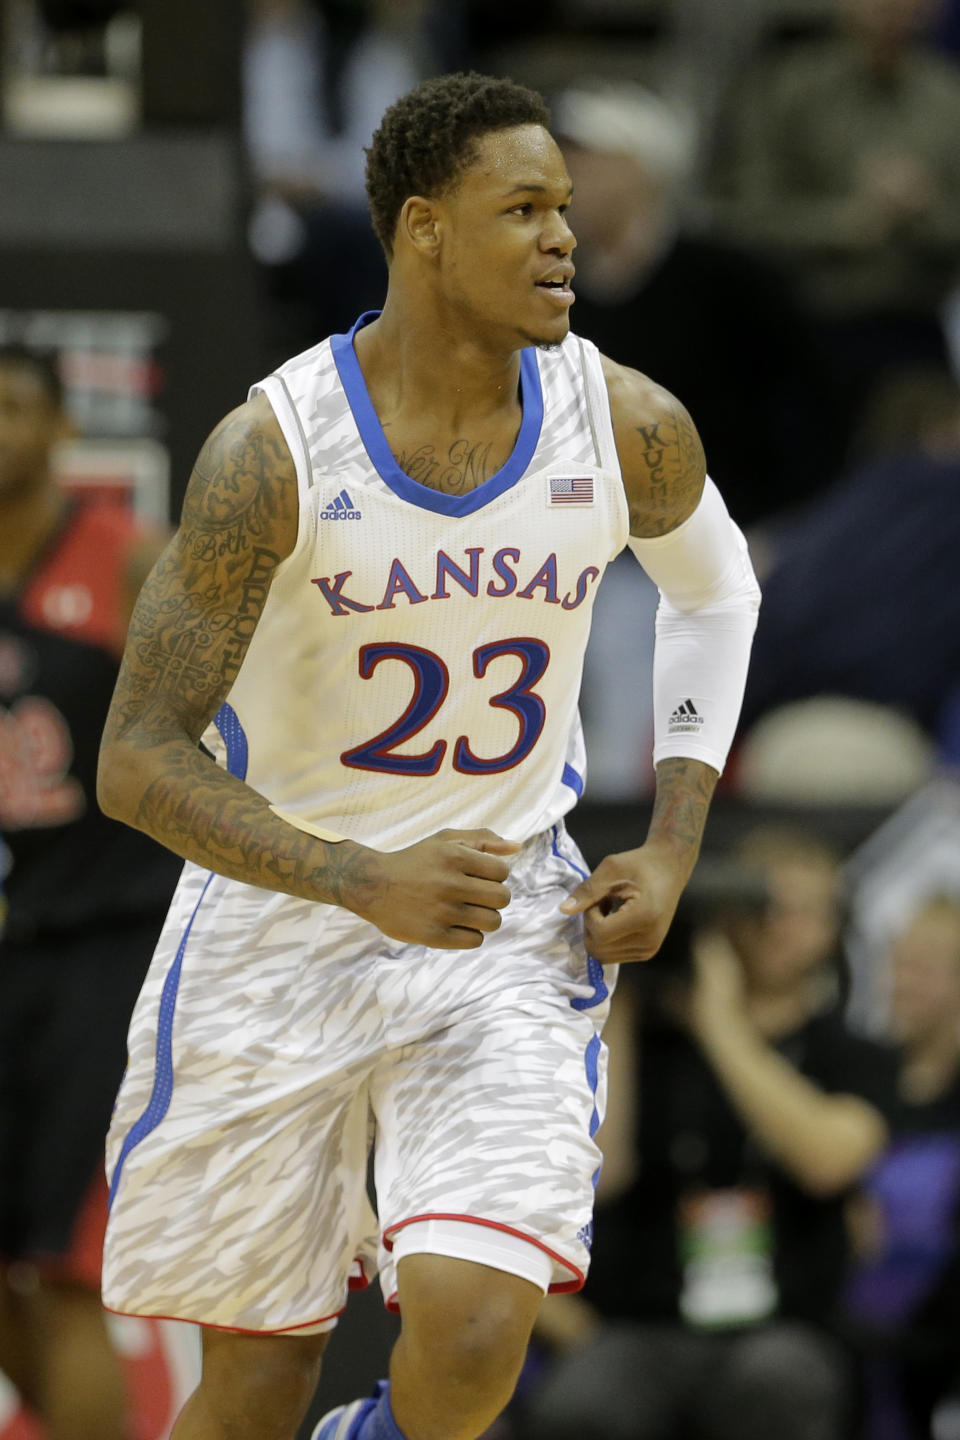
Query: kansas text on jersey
x,y
419,666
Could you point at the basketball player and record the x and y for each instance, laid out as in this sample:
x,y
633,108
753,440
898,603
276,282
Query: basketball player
x,y
380,596
84,898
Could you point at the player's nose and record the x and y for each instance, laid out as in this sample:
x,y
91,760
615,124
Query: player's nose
x,y
557,236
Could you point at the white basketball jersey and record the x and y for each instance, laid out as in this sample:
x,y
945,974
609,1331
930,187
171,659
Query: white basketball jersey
x,y
418,659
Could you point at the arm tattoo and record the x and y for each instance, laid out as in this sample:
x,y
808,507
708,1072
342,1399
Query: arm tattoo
x,y
684,790
465,467
188,636
671,470
208,816
200,606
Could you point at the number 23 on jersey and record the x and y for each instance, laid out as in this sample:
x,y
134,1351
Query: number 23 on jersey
x,y
431,683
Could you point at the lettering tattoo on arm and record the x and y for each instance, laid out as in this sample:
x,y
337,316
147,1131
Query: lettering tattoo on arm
x,y
671,468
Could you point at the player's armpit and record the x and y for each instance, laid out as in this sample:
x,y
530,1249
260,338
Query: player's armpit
x,y
661,457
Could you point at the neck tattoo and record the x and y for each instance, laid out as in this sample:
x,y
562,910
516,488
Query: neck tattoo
x,y
464,467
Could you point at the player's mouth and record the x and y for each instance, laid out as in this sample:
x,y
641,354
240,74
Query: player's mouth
x,y
556,285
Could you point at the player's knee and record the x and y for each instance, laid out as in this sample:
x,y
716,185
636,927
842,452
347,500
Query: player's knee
x,y
479,1349
484,1354
259,1387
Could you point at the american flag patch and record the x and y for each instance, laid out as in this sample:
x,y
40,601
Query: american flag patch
x,y
571,489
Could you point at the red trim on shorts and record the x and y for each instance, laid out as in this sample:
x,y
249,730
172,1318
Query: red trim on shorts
x,y
233,1329
361,1281
355,1282
559,1287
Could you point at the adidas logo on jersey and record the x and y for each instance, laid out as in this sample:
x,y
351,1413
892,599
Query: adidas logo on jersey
x,y
684,719
340,508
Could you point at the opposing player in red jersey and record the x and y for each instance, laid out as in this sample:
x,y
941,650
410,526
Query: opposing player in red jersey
x,y
84,901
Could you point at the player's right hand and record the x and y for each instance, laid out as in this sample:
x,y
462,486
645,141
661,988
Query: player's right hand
x,y
446,891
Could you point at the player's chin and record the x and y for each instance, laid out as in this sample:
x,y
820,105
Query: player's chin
x,y
544,336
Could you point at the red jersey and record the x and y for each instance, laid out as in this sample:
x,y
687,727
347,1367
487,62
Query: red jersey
x,y
60,641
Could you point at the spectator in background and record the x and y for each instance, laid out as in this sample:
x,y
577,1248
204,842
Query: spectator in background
x,y
686,306
317,76
832,752
683,306
85,901
846,168
862,597
904,1298
731,1141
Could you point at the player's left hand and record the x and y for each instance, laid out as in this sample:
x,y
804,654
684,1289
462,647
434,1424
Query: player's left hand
x,y
628,903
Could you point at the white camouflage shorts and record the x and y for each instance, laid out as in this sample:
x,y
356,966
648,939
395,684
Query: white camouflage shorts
x,y
275,1039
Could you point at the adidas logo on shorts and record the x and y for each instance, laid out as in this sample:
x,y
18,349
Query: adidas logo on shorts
x,y
685,719
340,508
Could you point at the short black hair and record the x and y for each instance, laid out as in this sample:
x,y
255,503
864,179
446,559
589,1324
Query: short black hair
x,y
42,363
429,136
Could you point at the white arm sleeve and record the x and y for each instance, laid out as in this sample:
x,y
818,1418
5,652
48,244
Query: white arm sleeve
x,y
709,598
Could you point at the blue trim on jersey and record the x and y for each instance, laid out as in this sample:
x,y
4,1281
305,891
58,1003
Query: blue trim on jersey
x,y
571,778
591,1058
594,968
377,448
160,1096
555,833
591,1064
234,738
600,991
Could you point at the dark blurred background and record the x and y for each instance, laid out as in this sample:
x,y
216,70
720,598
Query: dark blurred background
x,y
768,209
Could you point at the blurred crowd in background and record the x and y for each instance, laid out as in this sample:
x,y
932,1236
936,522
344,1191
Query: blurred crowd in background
x,y
767,208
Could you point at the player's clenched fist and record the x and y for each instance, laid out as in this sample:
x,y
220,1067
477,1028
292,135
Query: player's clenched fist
x,y
446,891
628,903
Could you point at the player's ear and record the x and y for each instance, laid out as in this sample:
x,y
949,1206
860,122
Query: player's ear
x,y
420,224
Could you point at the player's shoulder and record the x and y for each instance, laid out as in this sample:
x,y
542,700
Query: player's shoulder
x,y
249,429
255,415
245,479
636,400
661,457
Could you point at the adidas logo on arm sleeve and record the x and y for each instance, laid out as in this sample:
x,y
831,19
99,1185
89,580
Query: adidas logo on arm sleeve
x,y
684,719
